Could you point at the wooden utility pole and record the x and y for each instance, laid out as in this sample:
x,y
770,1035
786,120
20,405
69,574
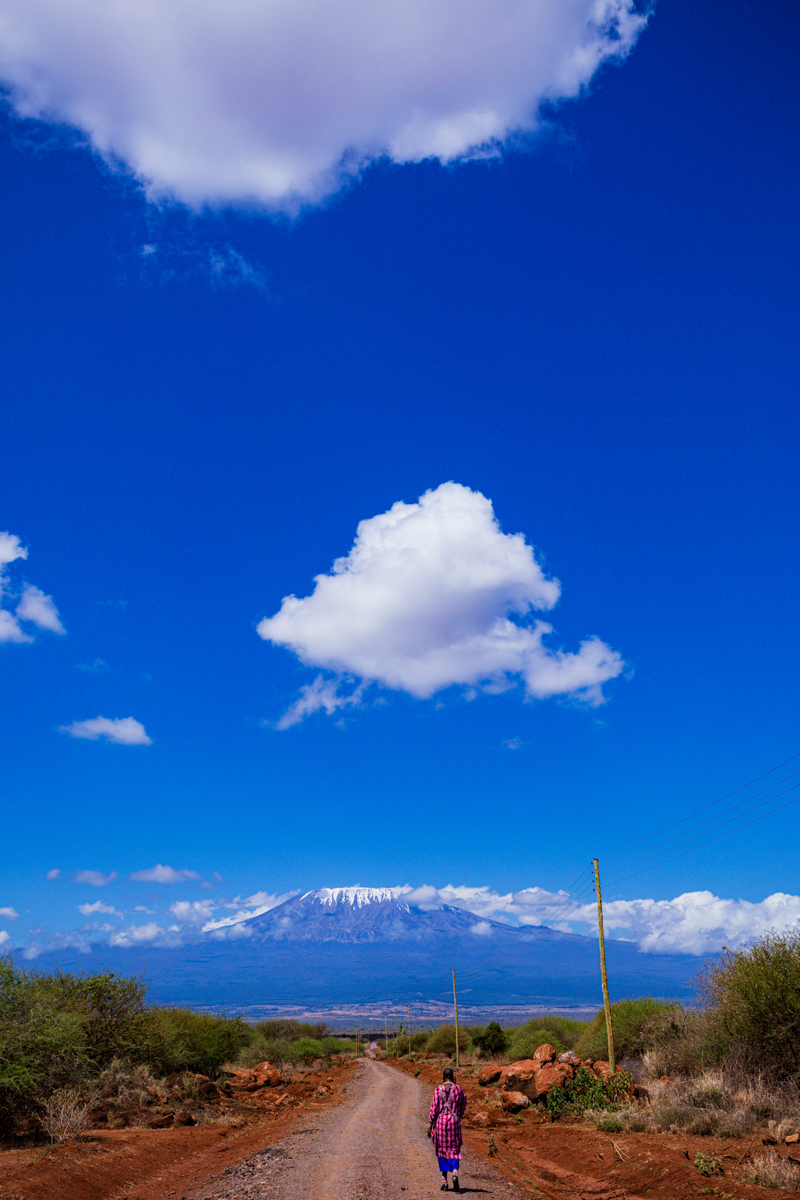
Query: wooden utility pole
x,y
409,1030
604,975
396,1032
455,1006
386,1034
356,1041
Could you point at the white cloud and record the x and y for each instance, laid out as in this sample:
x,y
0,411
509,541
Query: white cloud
x,y
424,600
120,731
150,934
271,102
95,878
162,874
5,937
93,666
98,907
143,908
696,922
10,914
34,606
248,906
39,609
54,874
193,912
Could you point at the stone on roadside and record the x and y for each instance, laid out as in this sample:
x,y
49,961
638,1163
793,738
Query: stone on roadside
x,y
183,1117
545,1053
489,1074
792,1139
551,1077
267,1076
602,1069
519,1075
514,1102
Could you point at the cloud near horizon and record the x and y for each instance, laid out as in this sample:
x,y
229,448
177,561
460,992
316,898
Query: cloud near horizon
x,y
423,601
34,606
694,923
120,731
278,104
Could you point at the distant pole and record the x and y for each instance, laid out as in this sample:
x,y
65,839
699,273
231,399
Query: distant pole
x,y
409,1029
396,1032
455,1006
604,975
356,1041
385,1033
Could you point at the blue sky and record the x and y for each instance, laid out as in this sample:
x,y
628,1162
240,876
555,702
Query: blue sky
x,y
594,327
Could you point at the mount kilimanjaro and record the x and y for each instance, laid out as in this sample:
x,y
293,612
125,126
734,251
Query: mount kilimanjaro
x,y
370,945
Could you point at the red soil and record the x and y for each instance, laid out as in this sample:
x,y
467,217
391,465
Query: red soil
x,y
566,1161
159,1164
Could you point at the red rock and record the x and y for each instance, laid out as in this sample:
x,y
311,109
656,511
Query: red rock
x,y
514,1101
267,1076
665,1079
792,1139
569,1057
545,1053
551,1077
602,1069
501,1080
183,1117
519,1074
480,1120
489,1074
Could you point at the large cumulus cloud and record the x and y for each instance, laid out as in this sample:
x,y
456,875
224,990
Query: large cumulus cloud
x,y
274,101
425,600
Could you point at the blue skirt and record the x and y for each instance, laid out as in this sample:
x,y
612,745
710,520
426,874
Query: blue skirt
x,y
448,1164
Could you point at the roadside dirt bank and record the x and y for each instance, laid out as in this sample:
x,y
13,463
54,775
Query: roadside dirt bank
x,y
577,1162
162,1164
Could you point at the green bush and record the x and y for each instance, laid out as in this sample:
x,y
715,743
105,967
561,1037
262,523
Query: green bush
x,y
443,1041
752,998
305,1050
178,1039
587,1091
560,1032
682,1041
630,1020
490,1041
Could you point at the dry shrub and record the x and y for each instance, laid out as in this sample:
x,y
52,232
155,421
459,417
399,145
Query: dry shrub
x,y
709,1107
65,1114
770,1170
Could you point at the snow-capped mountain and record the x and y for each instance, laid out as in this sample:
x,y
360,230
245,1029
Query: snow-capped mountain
x,y
360,914
368,945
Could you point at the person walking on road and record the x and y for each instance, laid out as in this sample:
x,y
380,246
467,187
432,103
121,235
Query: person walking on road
x,y
444,1126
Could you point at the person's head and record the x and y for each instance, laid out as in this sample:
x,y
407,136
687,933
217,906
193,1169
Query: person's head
x,y
447,1075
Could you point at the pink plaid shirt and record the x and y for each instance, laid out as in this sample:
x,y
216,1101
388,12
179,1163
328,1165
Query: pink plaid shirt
x,y
445,1116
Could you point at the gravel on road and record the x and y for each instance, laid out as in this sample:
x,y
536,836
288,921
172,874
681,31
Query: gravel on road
x,y
372,1146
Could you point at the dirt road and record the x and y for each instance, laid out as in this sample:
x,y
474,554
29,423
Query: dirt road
x,y
372,1146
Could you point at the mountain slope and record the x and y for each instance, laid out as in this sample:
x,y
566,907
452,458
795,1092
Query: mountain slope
x,y
370,945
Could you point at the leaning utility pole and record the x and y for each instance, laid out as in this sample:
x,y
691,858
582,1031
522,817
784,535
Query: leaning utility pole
x,y
604,975
455,1006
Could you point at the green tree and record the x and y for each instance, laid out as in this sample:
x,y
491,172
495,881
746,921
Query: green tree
x,y
492,1040
443,1041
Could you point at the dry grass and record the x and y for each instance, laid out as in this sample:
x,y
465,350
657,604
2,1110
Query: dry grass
x,y
65,1115
770,1170
707,1107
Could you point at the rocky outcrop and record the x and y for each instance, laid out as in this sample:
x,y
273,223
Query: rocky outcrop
x,y
520,1077
536,1077
514,1102
602,1069
552,1076
545,1053
264,1075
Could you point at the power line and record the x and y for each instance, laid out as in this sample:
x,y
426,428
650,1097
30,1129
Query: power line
x,y
788,804
739,804
704,808
769,800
